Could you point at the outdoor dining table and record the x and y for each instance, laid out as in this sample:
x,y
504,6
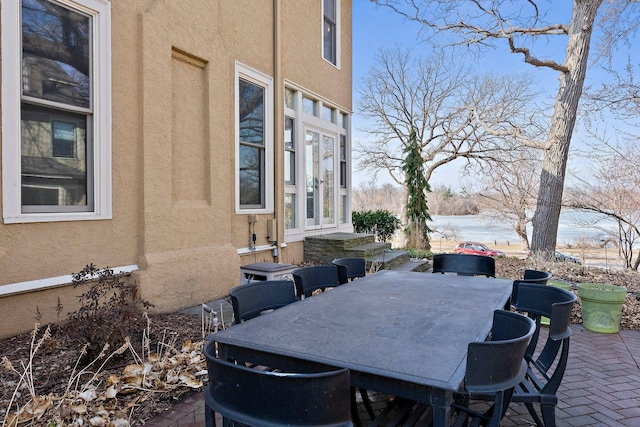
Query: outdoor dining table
x,y
399,333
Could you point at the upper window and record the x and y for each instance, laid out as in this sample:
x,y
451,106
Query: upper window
x,y
254,155
56,114
330,31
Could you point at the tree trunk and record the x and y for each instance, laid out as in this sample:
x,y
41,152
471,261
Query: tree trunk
x,y
521,230
404,221
546,217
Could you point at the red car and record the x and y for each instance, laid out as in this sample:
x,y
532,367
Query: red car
x,y
476,248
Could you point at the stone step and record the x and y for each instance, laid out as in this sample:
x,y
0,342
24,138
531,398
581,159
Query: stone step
x,y
368,250
390,259
420,265
323,249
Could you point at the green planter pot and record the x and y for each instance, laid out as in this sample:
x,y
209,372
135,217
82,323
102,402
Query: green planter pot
x,y
558,284
601,306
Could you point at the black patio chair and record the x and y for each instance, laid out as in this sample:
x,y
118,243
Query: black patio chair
x,y
252,299
546,361
530,276
536,276
350,268
494,367
464,264
312,278
254,397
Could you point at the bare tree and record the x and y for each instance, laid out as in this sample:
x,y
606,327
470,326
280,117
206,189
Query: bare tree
x,y
443,105
611,187
620,96
368,196
522,24
507,190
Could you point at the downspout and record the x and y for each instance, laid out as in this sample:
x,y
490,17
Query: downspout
x,y
278,128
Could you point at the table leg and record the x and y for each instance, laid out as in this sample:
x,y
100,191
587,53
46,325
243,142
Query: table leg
x,y
441,402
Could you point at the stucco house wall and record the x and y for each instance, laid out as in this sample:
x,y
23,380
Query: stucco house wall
x,y
174,226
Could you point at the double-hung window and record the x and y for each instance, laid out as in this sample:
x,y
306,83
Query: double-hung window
x,y
254,147
330,31
56,110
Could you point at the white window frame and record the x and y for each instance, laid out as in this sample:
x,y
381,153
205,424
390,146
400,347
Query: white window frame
x,y
266,82
100,13
338,34
310,121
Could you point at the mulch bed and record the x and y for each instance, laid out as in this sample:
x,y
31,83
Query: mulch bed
x,y
56,358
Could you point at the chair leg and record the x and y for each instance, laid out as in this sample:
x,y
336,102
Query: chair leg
x,y
355,416
209,416
548,415
534,414
367,403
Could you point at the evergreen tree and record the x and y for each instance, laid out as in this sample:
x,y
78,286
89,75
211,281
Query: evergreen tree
x,y
417,185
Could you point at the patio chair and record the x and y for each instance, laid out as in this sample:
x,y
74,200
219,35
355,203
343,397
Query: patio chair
x,y
350,268
547,365
252,299
255,397
535,276
494,367
464,264
312,278
530,276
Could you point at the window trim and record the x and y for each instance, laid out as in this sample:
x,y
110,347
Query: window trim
x,y
266,82
100,13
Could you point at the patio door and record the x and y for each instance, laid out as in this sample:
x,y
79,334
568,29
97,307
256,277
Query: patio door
x,y
320,179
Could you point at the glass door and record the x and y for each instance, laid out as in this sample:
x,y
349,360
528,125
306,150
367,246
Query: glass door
x,y
319,179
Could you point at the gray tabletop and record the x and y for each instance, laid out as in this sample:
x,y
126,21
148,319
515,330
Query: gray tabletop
x,y
408,327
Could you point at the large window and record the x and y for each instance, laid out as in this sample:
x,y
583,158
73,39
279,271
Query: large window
x,y
330,31
254,156
56,110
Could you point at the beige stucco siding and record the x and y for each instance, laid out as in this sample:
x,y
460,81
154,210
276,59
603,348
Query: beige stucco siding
x,y
302,55
173,155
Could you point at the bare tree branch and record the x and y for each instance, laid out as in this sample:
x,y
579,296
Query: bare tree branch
x,y
483,23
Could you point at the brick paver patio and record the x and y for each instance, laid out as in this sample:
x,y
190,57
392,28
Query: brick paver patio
x,y
601,387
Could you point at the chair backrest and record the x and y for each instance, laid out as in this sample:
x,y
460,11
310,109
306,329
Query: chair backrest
x,y
556,304
257,397
531,276
252,299
350,268
464,264
498,364
535,276
312,278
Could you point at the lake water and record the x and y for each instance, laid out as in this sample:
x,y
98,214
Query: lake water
x,y
573,227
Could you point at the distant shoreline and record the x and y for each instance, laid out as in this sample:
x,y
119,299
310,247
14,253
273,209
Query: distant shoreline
x,y
593,256
573,228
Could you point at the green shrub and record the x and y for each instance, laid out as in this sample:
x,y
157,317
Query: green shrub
x,y
380,222
110,311
420,253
